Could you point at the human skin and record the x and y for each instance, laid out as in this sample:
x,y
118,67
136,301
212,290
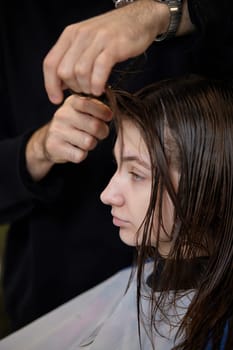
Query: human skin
x,y
82,60
74,130
85,53
129,191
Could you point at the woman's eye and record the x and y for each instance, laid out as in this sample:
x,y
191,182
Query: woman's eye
x,y
136,177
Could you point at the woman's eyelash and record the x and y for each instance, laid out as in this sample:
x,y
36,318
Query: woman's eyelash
x,y
136,176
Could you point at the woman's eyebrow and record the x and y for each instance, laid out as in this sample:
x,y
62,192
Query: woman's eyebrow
x,y
132,158
136,159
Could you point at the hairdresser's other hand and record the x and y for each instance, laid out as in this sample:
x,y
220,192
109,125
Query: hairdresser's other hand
x,y
86,52
75,129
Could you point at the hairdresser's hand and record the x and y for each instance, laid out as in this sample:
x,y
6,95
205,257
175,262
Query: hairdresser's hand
x,y
85,53
74,130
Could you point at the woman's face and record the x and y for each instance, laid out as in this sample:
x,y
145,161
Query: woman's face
x,y
129,190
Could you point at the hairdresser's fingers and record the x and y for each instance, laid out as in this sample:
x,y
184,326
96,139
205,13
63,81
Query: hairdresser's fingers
x,y
69,123
64,152
93,68
84,66
90,106
66,69
123,33
101,71
66,143
54,84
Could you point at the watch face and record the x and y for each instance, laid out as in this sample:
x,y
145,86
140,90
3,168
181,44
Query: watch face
x,y
169,2
120,3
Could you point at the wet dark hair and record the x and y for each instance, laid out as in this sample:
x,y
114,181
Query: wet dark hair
x,y
198,113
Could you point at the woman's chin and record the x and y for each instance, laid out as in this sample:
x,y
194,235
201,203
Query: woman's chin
x,y
127,237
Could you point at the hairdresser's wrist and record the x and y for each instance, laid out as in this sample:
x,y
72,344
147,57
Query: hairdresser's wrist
x,y
38,165
153,15
156,15
184,26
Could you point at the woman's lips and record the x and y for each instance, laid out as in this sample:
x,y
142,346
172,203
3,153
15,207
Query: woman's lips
x,y
118,221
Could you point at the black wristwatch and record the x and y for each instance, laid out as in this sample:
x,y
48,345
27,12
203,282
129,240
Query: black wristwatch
x,y
175,8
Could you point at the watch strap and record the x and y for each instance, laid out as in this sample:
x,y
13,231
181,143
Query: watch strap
x,y
175,8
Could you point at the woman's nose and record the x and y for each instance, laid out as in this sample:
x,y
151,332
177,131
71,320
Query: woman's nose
x,y
112,194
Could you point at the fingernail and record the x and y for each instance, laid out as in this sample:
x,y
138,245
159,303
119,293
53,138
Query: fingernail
x,y
55,99
97,92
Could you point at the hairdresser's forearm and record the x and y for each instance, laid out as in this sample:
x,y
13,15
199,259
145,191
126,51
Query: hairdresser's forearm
x,y
112,37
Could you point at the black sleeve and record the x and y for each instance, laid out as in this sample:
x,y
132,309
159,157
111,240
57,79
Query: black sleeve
x,y
18,192
213,20
18,120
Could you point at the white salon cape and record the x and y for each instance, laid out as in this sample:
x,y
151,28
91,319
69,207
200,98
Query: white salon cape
x,y
103,318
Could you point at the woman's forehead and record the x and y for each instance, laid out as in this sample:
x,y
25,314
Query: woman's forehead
x,y
130,143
